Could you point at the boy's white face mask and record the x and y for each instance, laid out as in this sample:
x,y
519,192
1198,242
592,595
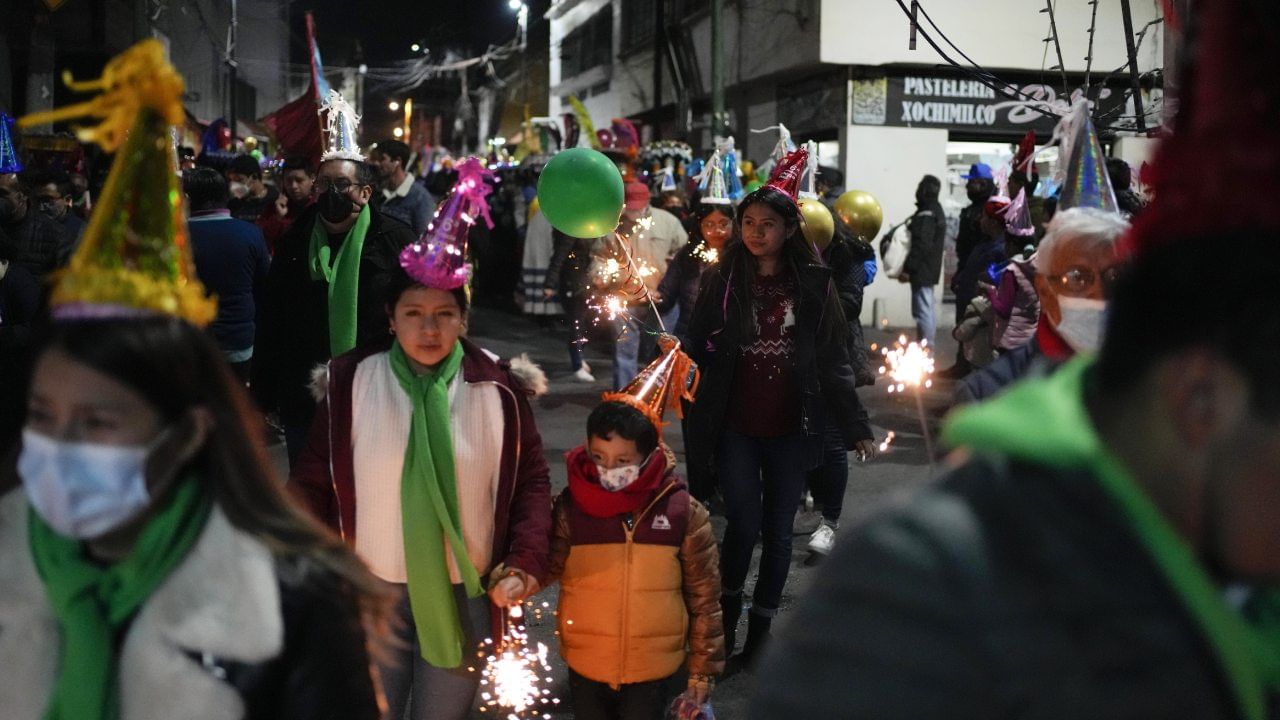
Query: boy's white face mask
x,y
615,479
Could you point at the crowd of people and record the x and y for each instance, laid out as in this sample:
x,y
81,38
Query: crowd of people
x,y
1100,544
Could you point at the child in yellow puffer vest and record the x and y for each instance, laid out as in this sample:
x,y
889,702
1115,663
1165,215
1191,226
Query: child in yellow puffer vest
x,y
639,574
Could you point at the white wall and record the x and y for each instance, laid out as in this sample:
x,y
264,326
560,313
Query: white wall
x,y
888,162
997,34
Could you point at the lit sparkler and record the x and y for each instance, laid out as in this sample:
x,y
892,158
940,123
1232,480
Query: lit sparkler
x,y
706,254
514,674
910,365
907,365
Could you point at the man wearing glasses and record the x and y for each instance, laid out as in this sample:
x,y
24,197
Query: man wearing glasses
x,y
325,292
1076,264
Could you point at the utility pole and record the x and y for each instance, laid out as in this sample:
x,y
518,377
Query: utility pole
x,y
719,121
231,71
1133,65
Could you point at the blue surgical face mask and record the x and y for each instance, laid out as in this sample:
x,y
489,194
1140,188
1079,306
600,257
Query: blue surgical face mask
x,y
615,479
84,490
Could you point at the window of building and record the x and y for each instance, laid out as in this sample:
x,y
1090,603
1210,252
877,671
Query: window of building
x,y
637,23
588,45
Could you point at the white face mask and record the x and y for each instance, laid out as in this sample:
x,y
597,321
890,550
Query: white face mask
x,y
238,190
1082,322
84,490
617,478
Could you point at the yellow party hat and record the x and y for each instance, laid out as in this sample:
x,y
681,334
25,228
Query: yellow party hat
x,y
135,258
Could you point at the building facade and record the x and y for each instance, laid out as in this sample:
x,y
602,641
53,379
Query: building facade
x,y
842,73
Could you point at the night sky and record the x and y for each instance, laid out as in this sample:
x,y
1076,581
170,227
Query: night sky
x,y
386,28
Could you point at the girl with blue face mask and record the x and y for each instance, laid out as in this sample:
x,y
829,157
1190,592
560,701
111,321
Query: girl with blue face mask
x,y
150,565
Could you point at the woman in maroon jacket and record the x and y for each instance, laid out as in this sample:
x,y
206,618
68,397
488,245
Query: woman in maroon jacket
x,y
426,459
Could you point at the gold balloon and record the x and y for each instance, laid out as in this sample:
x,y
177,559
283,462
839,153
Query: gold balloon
x,y
251,143
816,222
861,212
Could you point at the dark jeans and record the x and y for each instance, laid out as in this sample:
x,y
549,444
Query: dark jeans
x,y
634,701
295,438
429,692
575,315
828,481
761,480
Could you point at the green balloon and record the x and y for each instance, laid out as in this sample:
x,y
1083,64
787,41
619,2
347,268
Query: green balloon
x,y
580,192
752,186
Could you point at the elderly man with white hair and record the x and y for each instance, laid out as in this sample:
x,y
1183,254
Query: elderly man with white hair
x,y
1076,265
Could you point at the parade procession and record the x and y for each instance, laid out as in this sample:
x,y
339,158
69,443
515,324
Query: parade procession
x,y
639,359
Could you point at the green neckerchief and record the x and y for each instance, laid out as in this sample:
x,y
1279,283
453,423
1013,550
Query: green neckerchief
x,y
429,507
342,276
1247,644
94,602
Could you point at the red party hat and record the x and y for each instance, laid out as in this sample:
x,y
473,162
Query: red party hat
x,y
787,173
1216,171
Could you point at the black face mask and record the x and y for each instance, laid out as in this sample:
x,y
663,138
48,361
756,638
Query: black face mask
x,y
335,206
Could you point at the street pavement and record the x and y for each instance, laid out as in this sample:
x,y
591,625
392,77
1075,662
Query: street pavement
x,y
561,416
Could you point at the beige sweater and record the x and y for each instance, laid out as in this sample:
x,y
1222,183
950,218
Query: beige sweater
x,y
381,414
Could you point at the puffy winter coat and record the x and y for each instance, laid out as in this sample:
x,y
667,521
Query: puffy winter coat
x,y
235,632
636,589
1016,304
324,477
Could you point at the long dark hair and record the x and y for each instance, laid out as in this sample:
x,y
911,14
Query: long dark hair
x,y
702,211
176,367
797,254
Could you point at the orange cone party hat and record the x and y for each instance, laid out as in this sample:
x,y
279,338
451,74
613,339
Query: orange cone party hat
x,y
135,258
663,384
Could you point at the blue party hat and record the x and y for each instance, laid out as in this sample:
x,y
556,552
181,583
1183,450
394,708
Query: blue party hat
x,y
9,162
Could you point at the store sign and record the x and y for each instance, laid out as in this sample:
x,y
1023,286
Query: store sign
x,y
960,104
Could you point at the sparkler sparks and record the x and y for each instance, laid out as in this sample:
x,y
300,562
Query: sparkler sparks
x,y
706,254
907,365
514,674
888,440
910,365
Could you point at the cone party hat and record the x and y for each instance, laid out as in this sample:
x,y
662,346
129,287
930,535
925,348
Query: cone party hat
x,y
663,384
135,257
9,162
787,173
438,259
1017,218
340,126
711,182
1086,183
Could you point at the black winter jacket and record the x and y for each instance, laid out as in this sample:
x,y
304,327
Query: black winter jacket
x,y
846,258
928,229
718,329
679,287
293,325
1006,590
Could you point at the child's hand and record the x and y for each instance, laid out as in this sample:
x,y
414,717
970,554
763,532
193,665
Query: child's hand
x,y
689,704
512,590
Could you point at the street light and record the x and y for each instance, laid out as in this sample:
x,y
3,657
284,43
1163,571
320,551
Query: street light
x,y
415,47
398,132
393,106
515,4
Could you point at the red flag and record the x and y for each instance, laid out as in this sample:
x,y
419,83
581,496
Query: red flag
x,y
296,125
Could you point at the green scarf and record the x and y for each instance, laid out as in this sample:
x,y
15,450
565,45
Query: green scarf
x,y
93,603
343,278
1247,644
429,506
